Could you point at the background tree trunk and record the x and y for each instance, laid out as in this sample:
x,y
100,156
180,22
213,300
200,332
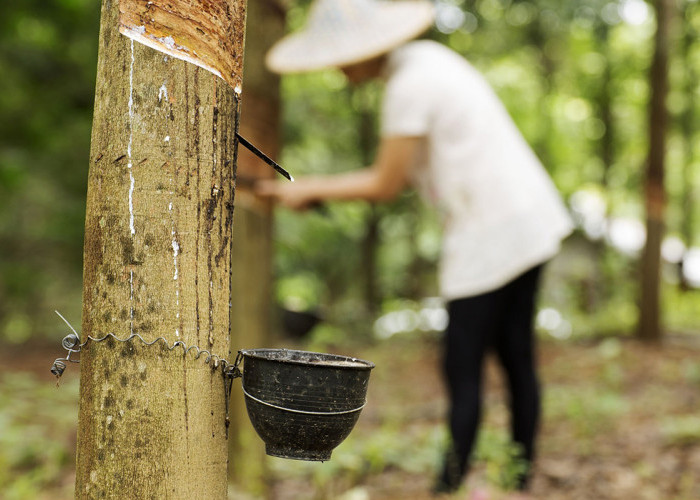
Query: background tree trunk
x,y
251,257
655,196
369,246
156,263
688,131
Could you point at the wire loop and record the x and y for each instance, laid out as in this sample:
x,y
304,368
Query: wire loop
x,y
71,343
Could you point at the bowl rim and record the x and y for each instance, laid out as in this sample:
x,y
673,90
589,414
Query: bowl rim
x,y
353,363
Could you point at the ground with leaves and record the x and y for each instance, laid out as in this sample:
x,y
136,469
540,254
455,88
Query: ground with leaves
x,y
620,422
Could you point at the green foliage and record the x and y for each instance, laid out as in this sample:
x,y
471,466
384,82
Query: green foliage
x,y
588,409
48,52
574,76
681,308
503,458
682,430
391,446
36,420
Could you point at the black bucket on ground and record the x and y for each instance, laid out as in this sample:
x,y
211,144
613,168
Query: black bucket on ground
x,y
303,404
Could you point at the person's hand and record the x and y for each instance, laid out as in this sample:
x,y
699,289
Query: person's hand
x,y
296,195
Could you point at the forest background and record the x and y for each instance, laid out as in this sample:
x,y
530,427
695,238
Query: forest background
x,y
574,75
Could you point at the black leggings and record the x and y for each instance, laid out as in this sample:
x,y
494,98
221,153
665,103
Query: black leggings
x,y
502,320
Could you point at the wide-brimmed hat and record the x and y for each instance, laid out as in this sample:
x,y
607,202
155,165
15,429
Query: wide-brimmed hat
x,y
344,32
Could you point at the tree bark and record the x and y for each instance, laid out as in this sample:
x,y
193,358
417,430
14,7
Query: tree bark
x,y
156,263
687,126
605,104
369,246
655,197
251,258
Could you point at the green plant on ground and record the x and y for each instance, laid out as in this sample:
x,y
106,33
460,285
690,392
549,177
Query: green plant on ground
x,y
502,458
392,446
588,409
681,430
36,419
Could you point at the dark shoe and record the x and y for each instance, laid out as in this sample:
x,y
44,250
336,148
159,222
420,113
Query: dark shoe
x,y
442,488
450,479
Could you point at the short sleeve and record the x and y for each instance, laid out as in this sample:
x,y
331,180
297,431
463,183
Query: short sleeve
x,y
405,109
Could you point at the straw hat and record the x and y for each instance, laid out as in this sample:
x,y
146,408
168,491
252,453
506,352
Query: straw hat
x,y
344,32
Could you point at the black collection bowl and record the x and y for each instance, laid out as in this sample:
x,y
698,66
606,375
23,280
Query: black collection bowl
x,y
303,404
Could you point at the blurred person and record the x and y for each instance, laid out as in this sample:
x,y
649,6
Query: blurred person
x,y
444,131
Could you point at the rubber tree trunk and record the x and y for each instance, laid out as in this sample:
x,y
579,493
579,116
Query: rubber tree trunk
x,y
156,264
649,328
251,262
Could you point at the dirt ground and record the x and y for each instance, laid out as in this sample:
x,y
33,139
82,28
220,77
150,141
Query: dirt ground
x,y
620,421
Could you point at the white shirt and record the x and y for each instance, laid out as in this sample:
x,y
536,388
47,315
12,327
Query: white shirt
x,y
502,213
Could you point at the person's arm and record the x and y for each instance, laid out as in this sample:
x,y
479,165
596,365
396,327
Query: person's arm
x,y
383,180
